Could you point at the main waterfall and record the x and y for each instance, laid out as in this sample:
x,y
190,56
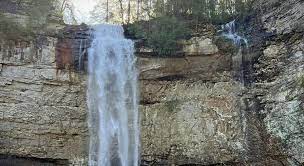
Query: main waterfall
x,y
112,99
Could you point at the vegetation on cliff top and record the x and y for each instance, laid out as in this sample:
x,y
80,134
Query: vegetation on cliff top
x,y
27,18
171,20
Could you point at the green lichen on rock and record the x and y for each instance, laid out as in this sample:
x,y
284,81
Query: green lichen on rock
x,y
171,106
300,81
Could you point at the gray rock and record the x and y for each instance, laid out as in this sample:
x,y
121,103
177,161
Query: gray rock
x,y
200,46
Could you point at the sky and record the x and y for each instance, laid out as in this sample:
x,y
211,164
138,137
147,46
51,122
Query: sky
x,y
83,9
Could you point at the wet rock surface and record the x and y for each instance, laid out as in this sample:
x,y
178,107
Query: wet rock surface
x,y
72,47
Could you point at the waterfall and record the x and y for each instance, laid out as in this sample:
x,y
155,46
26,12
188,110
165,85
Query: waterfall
x,y
229,32
80,55
112,99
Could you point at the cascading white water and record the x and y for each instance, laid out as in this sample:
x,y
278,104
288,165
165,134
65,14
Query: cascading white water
x,y
229,31
112,99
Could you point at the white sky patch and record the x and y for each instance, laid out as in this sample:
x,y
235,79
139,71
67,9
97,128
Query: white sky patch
x,y
82,11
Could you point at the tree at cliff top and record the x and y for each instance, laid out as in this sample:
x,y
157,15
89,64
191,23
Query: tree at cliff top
x,y
33,16
188,14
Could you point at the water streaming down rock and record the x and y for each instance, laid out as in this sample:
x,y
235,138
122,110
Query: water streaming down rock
x,y
229,32
80,55
254,145
112,99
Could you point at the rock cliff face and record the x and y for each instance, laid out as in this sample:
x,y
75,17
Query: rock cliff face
x,y
43,110
189,106
192,109
279,76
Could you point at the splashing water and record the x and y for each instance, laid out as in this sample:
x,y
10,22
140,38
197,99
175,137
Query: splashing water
x,y
229,31
112,99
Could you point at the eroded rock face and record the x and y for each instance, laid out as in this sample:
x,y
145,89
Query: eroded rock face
x,y
43,110
281,17
200,67
283,95
200,46
279,72
191,122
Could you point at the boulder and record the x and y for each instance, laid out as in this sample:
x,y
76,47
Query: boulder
x,y
200,46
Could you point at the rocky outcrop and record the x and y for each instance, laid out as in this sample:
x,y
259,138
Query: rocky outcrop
x,y
281,17
42,107
280,89
199,46
191,107
191,122
43,110
207,68
278,76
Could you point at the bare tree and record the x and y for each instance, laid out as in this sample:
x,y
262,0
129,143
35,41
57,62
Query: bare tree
x,y
137,10
63,6
129,11
107,10
121,11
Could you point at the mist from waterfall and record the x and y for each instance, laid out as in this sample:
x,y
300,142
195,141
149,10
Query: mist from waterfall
x,y
112,99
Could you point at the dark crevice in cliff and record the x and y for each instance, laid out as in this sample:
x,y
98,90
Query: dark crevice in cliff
x,y
151,54
172,78
72,48
260,146
147,102
7,160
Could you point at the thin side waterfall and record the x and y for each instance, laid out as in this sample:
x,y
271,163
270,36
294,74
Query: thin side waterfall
x,y
253,146
112,99
80,55
229,31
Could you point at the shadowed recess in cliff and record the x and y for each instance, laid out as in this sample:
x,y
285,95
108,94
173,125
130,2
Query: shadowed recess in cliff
x,y
7,160
112,99
72,48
